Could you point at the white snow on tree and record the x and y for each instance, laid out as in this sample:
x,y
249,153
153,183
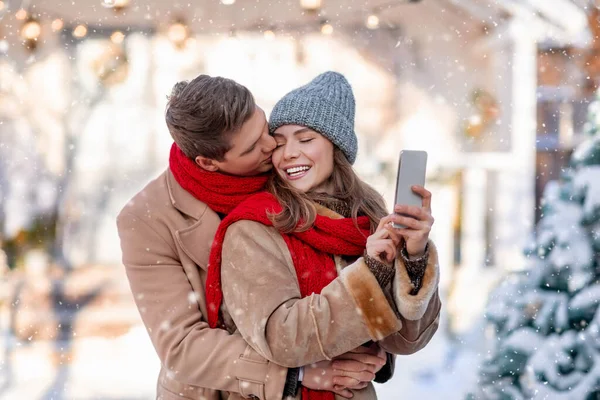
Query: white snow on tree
x,y
546,320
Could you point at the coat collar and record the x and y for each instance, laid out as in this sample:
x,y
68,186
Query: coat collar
x,y
183,200
195,239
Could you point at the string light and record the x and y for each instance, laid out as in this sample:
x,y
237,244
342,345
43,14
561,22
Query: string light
x,y
372,21
31,29
326,28
310,5
269,34
117,37
57,24
116,5
120,5
21,14
80,31
178,33
30,32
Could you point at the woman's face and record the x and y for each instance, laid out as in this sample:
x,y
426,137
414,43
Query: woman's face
x,y
303,158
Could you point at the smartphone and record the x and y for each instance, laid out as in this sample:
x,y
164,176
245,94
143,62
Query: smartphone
x,y
411,171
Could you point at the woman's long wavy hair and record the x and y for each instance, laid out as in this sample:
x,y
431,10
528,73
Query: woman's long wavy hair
x,y
299,211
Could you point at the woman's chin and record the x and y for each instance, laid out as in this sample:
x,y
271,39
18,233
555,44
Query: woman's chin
x,y
299,187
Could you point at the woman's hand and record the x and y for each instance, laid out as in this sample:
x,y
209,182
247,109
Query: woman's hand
x,y
418,222
383,244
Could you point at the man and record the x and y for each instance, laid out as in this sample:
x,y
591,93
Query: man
x,y
222,154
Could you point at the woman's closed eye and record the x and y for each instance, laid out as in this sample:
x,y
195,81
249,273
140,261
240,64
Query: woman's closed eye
x,y
306,140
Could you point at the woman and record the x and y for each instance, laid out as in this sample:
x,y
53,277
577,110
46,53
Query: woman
x,y
286,265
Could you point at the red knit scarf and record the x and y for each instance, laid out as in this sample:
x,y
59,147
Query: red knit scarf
x,y
222,193
312,253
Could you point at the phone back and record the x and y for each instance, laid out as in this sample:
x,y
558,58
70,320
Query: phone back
x,y
411,171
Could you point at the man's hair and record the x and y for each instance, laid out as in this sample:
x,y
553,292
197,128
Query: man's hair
x,y
202,114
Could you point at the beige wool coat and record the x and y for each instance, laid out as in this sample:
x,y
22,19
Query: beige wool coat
x,y
166,235
262,301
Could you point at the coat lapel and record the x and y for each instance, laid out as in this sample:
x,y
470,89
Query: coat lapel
x,y
196,239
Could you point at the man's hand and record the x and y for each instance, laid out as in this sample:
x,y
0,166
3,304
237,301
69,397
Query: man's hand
x,y
363,358
350,372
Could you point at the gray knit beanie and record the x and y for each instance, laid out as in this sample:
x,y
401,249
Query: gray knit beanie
x,y
326,105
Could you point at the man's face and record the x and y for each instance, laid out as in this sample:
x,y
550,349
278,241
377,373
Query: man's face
x,y
251,149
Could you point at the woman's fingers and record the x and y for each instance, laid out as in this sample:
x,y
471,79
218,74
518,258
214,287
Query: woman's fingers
x,y
384,221
408,222
425,194
393,234
418,213
383,249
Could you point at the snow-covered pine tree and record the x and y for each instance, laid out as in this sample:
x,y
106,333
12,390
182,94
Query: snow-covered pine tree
x,y
546,320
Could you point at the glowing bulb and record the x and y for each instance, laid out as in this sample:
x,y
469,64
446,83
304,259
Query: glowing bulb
x,y
57,24
178,33
117,5
326,29
373,22
227,2
269,34
310,5
117,37
21,14
31,30
120,4
80,31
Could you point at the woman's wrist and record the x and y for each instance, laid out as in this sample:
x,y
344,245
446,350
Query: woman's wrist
x,y
415,267
382,272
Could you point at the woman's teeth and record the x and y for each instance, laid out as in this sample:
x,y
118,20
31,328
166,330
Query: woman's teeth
x,y
296,170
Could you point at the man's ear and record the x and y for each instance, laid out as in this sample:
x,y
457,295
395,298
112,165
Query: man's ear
x,y
207,163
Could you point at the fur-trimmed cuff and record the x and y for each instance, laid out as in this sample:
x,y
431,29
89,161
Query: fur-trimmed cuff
x,y
413,307
370,300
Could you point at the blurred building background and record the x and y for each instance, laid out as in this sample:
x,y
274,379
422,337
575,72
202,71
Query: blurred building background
x,y
495,91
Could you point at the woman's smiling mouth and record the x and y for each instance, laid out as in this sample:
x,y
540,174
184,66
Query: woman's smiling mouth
x,y
297,171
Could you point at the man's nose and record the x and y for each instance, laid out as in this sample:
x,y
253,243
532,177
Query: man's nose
x,y
270,144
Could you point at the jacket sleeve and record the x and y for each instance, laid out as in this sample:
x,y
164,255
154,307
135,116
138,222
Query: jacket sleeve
x,y
419,313
188,349
261,293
